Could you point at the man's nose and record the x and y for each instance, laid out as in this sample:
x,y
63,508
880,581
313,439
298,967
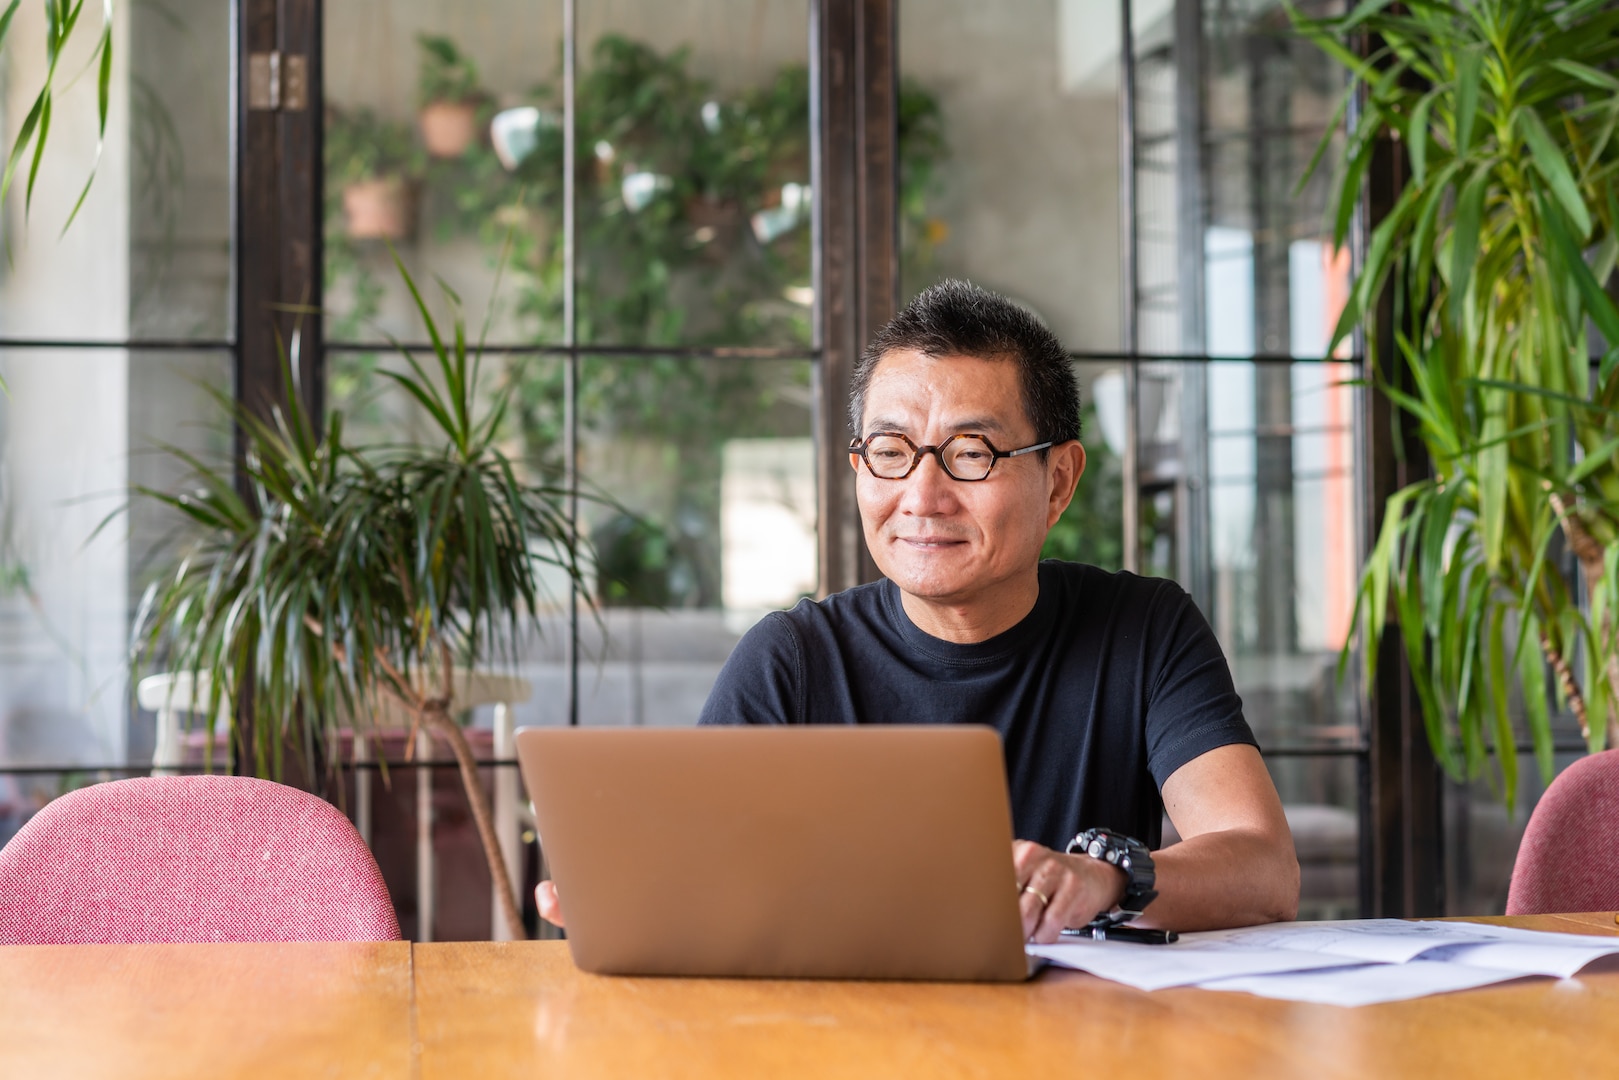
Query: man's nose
x,y
929,490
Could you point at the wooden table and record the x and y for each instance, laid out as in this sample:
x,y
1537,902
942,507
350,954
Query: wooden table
x,y
522,1009
305,1009
492,1010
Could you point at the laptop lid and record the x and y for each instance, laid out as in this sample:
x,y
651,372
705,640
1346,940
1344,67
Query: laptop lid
x,y
835,852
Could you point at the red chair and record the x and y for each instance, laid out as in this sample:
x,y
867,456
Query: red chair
x,y
191,858
1568,860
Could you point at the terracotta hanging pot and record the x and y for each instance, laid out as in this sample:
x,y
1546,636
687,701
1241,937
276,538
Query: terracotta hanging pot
x,y
449,128
380,208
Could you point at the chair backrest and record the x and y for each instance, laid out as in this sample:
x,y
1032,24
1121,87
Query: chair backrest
x,y
1569,858
191,858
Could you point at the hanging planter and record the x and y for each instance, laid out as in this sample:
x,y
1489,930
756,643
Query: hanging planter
x,y
374,165
449,128
379,208
449,97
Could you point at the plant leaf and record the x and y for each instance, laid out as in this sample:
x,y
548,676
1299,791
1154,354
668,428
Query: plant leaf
x,y
1469,66
1464,240
1552,164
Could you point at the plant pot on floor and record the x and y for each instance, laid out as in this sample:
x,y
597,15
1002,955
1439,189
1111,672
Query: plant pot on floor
x,y
379,208
449,128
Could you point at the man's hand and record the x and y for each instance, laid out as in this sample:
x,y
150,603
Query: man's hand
x,y
1059,890
545,898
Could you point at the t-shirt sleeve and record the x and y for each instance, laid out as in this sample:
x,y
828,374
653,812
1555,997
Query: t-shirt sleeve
x,y
1192,704
762,680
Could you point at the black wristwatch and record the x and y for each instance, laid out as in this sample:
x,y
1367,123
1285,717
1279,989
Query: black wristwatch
x,y
1129,855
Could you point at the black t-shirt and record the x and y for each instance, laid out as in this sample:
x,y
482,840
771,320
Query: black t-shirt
x,y
1110,684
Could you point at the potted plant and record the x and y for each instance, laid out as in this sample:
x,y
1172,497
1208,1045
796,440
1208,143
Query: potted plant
x,y
356,576
449,97
1499,251
374,164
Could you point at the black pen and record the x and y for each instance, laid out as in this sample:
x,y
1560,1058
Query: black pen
x,y
1124,933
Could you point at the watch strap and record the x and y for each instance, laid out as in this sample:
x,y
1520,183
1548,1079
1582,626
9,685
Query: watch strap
x,y
1129,855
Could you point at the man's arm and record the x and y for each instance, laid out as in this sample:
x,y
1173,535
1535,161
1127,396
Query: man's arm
x,y
1235,864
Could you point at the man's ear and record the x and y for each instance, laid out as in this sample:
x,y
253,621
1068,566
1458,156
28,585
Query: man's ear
x,y
1064,466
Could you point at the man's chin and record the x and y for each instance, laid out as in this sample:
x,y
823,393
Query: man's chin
x,y
928,579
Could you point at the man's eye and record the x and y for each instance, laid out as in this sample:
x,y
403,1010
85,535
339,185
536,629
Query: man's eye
x,y
972,455
888,454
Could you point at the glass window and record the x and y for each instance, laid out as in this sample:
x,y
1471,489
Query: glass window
x,y
1233,259
1091,530
149,255
1009,167
692,242
694,180
699,497
78,429
1321,797
443,143
1247,482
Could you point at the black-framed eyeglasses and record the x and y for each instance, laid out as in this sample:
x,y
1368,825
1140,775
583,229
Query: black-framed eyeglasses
x,y
891,456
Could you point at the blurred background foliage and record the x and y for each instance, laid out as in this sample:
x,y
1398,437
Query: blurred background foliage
x,y
693,224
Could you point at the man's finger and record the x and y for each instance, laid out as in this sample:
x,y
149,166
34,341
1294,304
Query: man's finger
x,y
1031,908
1025,854
549,903
1055,915
1040,882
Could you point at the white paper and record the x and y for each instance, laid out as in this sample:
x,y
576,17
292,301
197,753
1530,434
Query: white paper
x,y
1373,959
1366,984
1537,952
1154,967
1522,958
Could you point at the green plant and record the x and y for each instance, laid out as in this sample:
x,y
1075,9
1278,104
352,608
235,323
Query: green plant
x,y
352,574
61,20
360,145
922,148
445,74
685,267
1497,252
1091,530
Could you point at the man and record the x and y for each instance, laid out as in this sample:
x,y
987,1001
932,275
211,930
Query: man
x,y
1110,692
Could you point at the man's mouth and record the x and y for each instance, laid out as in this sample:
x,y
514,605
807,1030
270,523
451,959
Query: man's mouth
x,y
930,542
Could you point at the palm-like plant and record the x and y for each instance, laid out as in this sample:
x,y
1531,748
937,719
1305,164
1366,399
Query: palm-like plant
x,y
356,575
1497,251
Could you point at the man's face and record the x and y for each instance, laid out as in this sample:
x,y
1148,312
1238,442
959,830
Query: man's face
x,y
943,541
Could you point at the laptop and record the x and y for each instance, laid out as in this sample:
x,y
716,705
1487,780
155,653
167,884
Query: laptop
x,y
815,852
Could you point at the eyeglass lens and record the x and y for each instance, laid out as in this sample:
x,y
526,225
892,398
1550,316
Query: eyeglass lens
x,y
966,457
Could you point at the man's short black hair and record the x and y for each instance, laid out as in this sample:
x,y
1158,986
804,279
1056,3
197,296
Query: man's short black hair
x,y
957,318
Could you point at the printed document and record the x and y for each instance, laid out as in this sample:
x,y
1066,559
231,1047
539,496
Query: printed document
x,y
1341,963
